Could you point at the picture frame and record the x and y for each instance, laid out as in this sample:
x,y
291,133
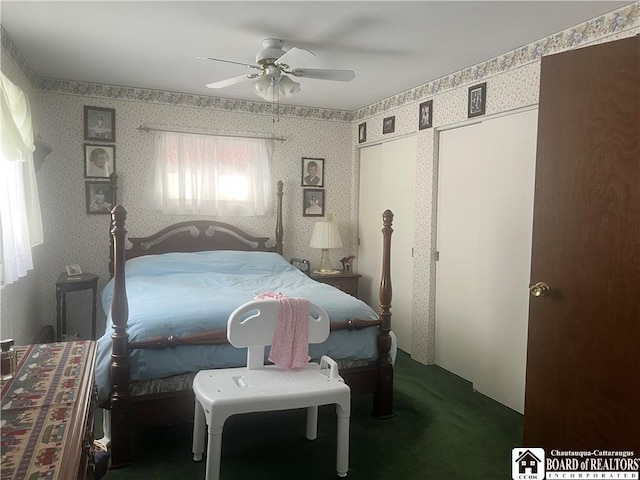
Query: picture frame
x,y
73,270
362,132
313,202
477,100
99,160
99,197
99,124
312,172
425,115
389,125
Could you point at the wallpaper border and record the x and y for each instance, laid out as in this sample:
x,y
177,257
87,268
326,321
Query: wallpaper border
x,y
50,85
9,47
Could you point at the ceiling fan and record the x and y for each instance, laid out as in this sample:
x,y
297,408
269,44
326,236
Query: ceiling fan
x,y
274,65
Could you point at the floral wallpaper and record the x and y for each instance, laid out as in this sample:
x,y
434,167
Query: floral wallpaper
x,y
71,236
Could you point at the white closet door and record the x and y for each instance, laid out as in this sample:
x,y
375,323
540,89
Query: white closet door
x,y
504,260
387,181
485,217
461,160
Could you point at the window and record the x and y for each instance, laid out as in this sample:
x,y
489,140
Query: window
x,y
211,175
20,218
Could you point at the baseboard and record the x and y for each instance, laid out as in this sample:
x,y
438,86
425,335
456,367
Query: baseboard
x,y
45,335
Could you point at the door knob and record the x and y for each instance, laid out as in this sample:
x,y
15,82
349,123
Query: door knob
x,y
540,289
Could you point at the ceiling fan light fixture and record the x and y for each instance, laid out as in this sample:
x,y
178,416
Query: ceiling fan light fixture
x,y
261,86
288,87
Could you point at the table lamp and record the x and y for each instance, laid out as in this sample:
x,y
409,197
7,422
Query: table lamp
x,y
325,236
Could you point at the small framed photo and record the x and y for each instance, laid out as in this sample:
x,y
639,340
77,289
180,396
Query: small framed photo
x,y
362,132
100,124
73,270
425,119
312,172
477,100
312,202
389,125
99,160
99,197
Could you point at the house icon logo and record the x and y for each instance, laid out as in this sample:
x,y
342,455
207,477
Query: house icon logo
x,y
527,464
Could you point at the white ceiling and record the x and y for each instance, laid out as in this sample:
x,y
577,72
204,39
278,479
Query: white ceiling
x,y
392,46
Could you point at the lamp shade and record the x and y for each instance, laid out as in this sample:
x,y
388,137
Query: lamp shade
x,y
325,235
261,86
269,88
288,87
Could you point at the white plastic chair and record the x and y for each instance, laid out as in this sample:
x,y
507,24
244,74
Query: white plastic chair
x,y
257,387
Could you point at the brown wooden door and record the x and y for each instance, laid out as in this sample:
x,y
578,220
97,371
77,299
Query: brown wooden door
x,y
583,356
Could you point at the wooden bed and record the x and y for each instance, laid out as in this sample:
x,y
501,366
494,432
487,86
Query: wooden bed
x,y
203,235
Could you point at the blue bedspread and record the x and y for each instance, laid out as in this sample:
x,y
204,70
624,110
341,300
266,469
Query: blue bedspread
x,y
190,293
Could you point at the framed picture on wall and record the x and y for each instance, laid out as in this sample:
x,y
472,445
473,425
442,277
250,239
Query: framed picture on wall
x,y
312,202
425,119
477,100
312,172
389,125
99,197
99,160
100,124
362,132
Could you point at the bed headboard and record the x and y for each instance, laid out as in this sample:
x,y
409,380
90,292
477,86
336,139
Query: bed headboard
x,y
203,235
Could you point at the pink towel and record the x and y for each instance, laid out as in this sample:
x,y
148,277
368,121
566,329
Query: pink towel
x,y
290,346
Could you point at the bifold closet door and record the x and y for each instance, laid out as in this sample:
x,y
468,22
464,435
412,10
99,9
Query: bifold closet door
x,y
461,156
387,181
485,217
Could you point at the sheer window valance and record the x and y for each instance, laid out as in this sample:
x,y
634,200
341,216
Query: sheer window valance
x,y
209,175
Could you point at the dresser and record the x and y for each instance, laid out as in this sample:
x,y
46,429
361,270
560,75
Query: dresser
x,y
47,412
343,280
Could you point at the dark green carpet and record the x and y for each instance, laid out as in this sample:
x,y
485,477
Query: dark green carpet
x,y
441,430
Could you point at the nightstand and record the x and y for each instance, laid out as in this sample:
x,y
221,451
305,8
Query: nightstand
x,y
67,283
345,281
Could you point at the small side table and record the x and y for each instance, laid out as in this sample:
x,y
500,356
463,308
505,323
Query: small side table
x,y
343,280
65,284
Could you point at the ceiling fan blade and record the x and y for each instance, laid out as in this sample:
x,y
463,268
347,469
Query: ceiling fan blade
x,y
295,57
231,81
258,67
324,74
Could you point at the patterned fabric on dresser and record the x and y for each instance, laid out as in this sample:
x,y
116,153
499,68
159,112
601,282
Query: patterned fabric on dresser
x,y
38,407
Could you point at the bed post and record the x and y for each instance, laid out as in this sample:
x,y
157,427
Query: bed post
x,y
383,396
279,227
114,201
120,399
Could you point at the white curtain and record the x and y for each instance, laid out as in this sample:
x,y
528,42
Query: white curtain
x,y
210,175
20,217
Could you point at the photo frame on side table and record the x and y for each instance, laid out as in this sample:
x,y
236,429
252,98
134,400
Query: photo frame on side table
x,y
100,124
477,101
312,202
312,172
425,115
73,270
99,160
99,198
